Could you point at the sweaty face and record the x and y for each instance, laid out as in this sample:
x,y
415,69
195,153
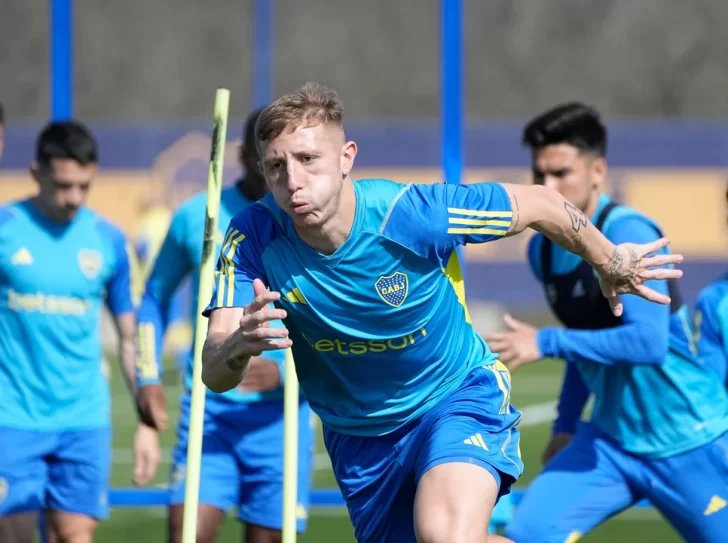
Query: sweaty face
x,y
575,175
304,170
64,187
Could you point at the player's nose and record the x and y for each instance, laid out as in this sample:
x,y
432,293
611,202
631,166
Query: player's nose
x,y
293,178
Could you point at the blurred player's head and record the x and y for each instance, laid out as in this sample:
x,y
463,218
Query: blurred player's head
x,y
64,166
568,147
253,182
2,131
304,154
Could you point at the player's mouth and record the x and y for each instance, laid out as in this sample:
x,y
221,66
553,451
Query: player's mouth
x,y
299,207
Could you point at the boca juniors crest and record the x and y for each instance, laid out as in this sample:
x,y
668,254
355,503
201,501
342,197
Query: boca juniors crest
x,y
393,288
90,262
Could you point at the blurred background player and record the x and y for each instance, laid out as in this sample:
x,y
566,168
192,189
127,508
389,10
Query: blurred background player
x,y
242,454
58,262
711,325
149,234
659,422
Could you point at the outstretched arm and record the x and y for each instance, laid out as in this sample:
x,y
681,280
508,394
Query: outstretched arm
x,y
623,269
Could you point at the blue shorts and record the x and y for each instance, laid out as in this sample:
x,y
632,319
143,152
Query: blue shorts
x,y
63,471
242,460
378,476
592,480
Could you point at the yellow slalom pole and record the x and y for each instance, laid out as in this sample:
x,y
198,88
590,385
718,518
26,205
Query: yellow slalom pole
x,y
204,293
290,450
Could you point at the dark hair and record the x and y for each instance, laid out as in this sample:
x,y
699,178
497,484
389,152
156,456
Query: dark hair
x,y
66,140
573,123
2,115
249,129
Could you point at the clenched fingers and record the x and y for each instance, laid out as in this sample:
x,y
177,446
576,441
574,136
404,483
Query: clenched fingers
x,y
262,300
261,345
261,317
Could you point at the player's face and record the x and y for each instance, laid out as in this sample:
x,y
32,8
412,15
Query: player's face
x,y
64,187
305,170
575,175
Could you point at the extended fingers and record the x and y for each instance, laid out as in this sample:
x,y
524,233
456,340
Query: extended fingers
x,y
262,316
660,274
262,300
661,260
652,295
653,246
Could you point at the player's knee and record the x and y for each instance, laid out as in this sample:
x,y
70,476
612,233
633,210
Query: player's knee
x,y
261,534
206,527
75,533
449,527
18,528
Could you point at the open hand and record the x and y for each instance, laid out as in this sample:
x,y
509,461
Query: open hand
x,y
630,267
255,335
517,346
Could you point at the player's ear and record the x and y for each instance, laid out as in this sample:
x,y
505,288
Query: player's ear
x,y
599,170
348,154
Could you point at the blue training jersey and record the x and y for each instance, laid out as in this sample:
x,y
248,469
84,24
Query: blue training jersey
x,y
180,255
380,329
53,280
711,326
652,393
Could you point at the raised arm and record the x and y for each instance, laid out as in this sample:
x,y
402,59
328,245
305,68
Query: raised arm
x,y
623,269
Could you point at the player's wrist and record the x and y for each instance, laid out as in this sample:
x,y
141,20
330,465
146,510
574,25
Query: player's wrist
x,y
599,252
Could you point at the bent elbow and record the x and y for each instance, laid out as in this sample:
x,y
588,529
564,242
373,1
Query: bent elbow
x,y
208,379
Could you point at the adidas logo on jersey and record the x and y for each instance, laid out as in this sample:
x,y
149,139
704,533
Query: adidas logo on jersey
x,y
476,440
22,257
716,504
578,291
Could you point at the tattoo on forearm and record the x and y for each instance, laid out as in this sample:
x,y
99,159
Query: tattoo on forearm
x,y
516,214
578,219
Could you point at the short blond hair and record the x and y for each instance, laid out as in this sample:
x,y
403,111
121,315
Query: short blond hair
x,y
311,104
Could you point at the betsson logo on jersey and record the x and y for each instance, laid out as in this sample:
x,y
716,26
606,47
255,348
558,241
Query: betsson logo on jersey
x,y
363,347
47,303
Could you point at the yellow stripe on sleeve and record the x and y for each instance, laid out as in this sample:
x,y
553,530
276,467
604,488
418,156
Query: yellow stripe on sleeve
x,y
479,222
480,213
227,254
489,231
147,359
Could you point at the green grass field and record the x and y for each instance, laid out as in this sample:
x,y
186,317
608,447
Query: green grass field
x,y
533,386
